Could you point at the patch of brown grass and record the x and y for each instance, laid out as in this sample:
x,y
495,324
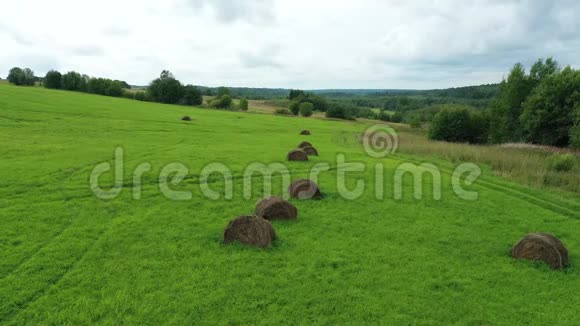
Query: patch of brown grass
x,y
528,165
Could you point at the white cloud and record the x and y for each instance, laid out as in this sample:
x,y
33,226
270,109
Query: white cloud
x,y
284,43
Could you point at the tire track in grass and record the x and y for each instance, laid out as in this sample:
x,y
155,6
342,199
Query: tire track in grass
x,y
128,184
563,208
558,208
19,295
34,252
543,203
52,263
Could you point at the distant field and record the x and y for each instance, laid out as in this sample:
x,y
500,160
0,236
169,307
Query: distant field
x,y
263,106
67,257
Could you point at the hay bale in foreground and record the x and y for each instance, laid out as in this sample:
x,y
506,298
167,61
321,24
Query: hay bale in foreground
x,y
304,189
250,230
305,132
309,150
304,144
297,155
274,207
186,118
541,247
559,245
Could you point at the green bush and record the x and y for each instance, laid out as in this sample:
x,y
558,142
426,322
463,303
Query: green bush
x,y
415,121
384,116
140,96
397,117
319,102
294,107
341,111
458,124
243,104
562,162
306,109
129,95
192,96
283,111
222,102
226,101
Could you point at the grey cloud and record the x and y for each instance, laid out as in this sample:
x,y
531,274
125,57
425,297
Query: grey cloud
x,y
267,57
374,44
229,11
551,20
17,36
258,61
39,63
449,42
88,50
116,31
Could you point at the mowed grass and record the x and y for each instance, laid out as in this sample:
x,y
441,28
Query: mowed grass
x,y
67,257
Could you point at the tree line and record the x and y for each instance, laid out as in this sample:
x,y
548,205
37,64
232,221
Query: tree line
x,y
74,81
165,89
540,106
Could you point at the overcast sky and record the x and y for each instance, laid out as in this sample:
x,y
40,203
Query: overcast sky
x,y
288,43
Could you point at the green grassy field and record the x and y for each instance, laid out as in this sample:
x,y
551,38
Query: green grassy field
x,y
67,257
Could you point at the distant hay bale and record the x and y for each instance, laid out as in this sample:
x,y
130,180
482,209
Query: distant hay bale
x,y
274,207
304,189
186,118
542,247
297,155
305,132
309,150
250,230
304,144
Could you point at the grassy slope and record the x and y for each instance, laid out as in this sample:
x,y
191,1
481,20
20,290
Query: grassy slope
x,y
527,166
68,257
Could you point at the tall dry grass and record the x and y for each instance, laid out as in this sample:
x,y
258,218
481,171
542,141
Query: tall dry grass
x,y
528,165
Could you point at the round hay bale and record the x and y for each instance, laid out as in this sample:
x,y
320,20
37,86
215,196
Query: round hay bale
x,y
250,230
186,118
304,144
297,155
304,189
559,245
309,150
305,132
274,207
538,247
